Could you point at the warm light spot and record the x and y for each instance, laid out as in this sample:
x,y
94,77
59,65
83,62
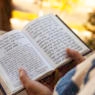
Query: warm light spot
x,y
87,34
41,13
17,23
90,3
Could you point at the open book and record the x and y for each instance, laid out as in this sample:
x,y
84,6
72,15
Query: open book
x,y
39,48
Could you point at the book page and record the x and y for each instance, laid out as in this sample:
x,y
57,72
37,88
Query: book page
x,y
17,51
52,37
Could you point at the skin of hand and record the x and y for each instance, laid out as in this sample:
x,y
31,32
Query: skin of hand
x,y
75,56
36,88
33,87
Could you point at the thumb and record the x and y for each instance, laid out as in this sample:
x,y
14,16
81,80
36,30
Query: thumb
x,y
30,85
24,77
76,56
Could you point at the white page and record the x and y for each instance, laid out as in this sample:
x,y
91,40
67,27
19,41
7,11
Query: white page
x,y
52,38
17,51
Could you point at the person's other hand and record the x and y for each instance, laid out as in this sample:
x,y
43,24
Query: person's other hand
x,y
33,87
75,55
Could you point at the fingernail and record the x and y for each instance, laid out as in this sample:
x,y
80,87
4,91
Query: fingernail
x,y
68,49
21,71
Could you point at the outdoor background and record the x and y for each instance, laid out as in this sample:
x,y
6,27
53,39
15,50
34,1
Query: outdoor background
x,y
79,15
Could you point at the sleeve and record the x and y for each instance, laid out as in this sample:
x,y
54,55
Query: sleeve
x,y
65,85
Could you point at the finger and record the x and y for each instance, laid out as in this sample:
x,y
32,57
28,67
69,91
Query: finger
x,y
30,85
25,81
76,56
24,77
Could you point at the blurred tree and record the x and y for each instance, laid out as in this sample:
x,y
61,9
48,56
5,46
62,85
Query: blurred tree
x,y
90,25
5,14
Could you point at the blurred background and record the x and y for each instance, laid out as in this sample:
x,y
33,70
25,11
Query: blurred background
x,y
79,15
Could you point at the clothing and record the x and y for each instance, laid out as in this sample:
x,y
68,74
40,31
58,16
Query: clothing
x,y
78,81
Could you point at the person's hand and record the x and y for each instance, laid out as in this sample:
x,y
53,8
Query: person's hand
x,y
75,56
33,87
36,88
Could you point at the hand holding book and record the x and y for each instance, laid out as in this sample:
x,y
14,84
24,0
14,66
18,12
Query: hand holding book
x,y
75,56
34,87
